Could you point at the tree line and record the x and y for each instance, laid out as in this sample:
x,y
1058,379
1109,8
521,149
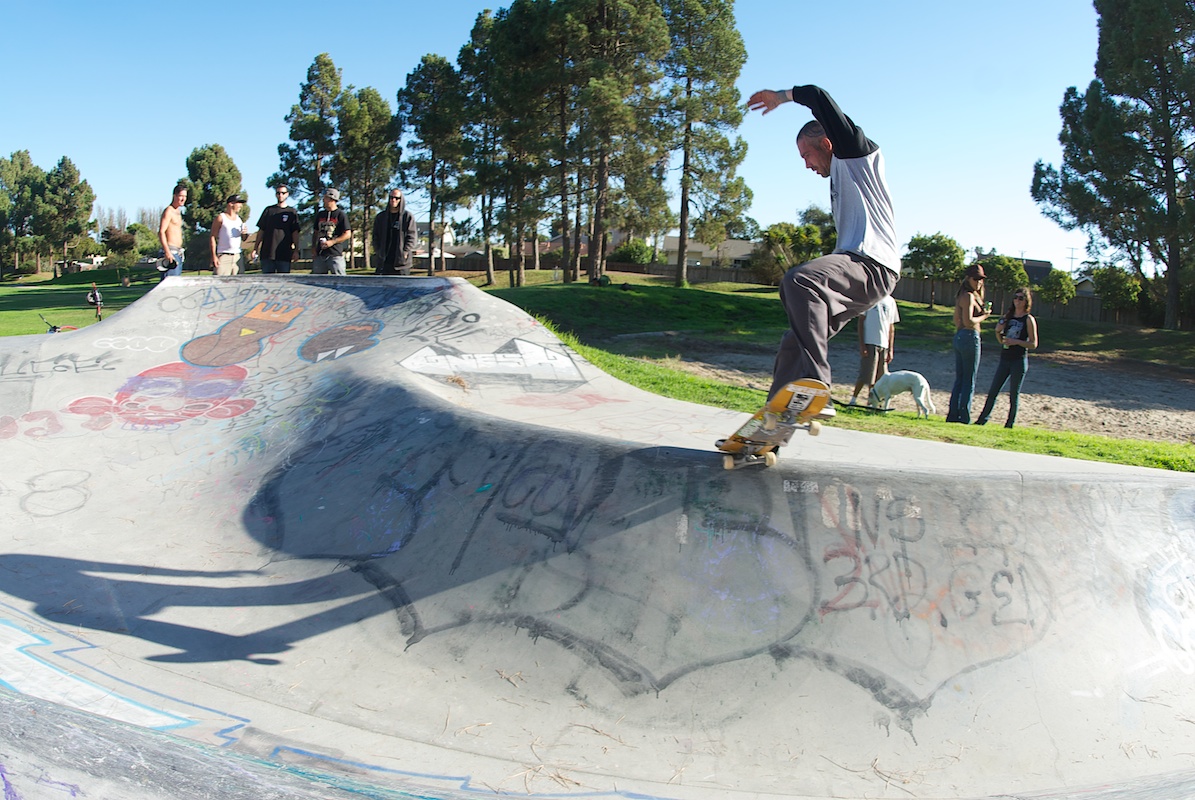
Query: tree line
x,y
42,212
566,118
934,257
560,118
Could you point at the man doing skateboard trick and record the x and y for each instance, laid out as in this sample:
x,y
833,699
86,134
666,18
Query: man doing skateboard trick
x,y
822,295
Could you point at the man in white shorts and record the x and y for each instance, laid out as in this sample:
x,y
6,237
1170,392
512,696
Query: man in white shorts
x,y
877,340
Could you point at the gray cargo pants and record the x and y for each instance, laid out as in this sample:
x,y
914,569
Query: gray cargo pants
x,y
820,297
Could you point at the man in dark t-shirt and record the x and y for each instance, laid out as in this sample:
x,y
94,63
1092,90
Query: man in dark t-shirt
x,y
330,232
277,235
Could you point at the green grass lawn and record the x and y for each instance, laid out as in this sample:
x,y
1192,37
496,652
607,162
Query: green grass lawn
x,y
742,316
63,301
750,318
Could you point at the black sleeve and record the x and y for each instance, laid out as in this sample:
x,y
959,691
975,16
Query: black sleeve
x,y
412,237
845,135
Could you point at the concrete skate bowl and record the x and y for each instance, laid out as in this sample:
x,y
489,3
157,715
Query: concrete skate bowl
x,y
388,537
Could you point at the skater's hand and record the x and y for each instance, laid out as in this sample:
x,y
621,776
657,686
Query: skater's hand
x,y
767,100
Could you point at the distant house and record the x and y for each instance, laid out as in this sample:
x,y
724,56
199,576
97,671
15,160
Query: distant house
x,y
557,243
730,253
82,265
1084,286
1037,270
421,229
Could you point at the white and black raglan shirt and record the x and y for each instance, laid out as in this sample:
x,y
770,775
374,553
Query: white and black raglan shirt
x,y
859,198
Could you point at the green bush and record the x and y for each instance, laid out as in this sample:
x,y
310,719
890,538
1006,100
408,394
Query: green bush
x,y
635,251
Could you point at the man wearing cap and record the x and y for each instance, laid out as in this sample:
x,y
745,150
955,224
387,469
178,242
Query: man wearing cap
x,y
394,237
227,231
822,295
330,232
277,235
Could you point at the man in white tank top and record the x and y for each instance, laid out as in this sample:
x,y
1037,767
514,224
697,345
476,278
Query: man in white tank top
x,y
227,232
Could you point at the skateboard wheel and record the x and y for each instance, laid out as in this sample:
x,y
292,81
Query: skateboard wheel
x,y
815,428
769,459
727,462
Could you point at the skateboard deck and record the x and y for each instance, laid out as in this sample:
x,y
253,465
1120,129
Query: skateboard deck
x,y
792,408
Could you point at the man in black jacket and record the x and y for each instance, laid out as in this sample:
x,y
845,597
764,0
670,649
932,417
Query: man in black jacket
x,y
394,237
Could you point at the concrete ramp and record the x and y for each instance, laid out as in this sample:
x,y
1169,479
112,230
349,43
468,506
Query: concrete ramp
x,y
383,537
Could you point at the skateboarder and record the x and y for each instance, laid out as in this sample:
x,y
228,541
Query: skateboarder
x,y
822,295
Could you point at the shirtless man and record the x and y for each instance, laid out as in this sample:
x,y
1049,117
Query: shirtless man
x,y
170,234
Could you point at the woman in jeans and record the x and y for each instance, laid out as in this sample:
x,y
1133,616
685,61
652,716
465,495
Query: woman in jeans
x,y
1017,332
968,314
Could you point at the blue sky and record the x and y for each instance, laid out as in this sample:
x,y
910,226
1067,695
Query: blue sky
x,y
962,97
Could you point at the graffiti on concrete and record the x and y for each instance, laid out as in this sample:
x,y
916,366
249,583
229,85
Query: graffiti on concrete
x,y
17,368
540,537
516,361
341,340
242,337
167,395
56,492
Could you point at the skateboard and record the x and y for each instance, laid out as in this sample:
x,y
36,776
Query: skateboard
x,y
794,407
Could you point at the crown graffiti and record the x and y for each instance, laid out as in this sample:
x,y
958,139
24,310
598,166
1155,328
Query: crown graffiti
x,y
274,312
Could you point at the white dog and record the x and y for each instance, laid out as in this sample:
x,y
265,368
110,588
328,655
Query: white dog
x,y
902,381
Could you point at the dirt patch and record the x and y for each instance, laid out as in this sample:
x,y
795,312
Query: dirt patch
x,y
1062,391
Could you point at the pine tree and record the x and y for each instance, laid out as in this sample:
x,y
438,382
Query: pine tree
x,y
367,153
21,183
432,102
304,166
1125,174
627,39
702,67
212,177
63,212
480,132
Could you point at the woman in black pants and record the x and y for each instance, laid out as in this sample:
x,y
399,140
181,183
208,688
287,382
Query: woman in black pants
x,y
1017,332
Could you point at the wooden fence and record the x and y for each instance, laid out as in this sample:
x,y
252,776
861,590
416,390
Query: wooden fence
x,y
1079,309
